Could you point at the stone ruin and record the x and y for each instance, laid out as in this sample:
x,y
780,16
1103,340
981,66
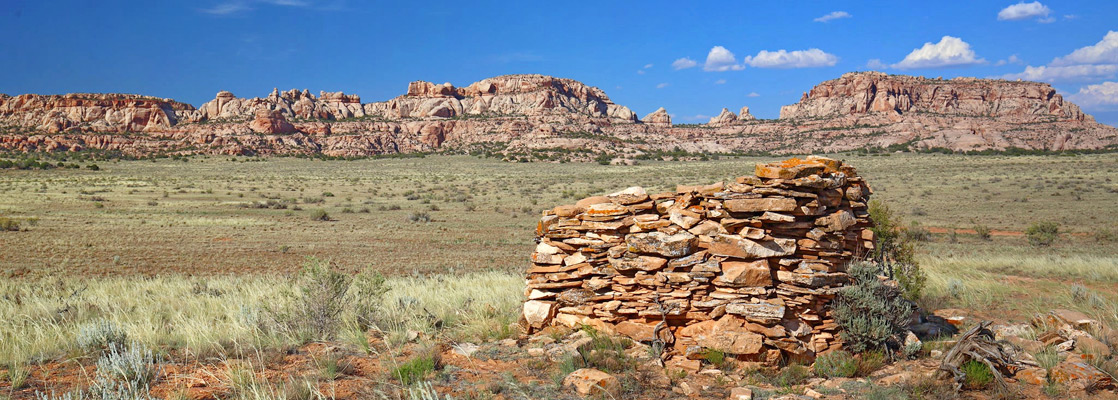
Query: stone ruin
x,y
747,268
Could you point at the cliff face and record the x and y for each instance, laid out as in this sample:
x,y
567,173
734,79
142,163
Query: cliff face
x,y
508,95
879,93
529,113
93,112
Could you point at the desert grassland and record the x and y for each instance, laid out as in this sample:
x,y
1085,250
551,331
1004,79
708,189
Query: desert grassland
x,y
183,256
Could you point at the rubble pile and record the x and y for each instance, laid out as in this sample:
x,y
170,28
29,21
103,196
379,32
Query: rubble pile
x,y
746,268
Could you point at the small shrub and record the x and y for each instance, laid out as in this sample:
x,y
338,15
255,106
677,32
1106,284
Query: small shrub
x,y
869,311
319,214
312,312
416,369
870,361
602,352
976,374
1106,235
895,251
367,293
419,217
131,369
100,335
714,357
93,167
9,224
982,231
1042,233
791,375
836,364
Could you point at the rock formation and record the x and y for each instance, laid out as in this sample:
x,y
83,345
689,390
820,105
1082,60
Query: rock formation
x,y
747,268
744,114
532,113
726,117
658,118
876,92
92,112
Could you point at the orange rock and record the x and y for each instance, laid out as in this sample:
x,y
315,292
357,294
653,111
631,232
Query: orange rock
x,y
1032,376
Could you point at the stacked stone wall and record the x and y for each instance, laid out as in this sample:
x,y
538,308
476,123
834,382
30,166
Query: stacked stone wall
x,y
747,267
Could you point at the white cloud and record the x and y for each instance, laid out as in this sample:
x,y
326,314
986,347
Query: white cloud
x,y
791,59
662,85
876,64
647,66
719,59
684,63
753,94
236,6
640,72
1094,96
1025,10
1103,52
949,52
1080,73
1086,64
720,82
833,15
227,8
1013,59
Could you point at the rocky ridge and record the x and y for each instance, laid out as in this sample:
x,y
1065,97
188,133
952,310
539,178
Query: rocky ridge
x,y
536,114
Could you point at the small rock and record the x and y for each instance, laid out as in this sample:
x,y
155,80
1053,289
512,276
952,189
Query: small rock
x,y
592,382
466,349
741,393
536,352
1032,376
812,394
1078,374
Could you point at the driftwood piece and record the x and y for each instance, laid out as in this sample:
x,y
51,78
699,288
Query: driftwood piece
x,y
978,344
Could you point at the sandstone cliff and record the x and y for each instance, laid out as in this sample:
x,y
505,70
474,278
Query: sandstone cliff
x,y
524,115
876,92
92,112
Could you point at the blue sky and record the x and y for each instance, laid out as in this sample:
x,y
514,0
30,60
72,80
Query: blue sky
x,y
692,60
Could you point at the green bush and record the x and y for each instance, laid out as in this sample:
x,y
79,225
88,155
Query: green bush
x,y
869,311
1042,233
416,369
976,374
895,250
836,364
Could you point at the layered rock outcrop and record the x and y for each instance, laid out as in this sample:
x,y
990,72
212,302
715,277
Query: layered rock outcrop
x,y
747,268
93,112
876,92
509,95
526,114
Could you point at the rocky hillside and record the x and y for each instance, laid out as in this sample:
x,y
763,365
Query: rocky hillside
x,y
878,93
542,117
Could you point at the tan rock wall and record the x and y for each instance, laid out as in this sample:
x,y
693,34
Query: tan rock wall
x,y
746,267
